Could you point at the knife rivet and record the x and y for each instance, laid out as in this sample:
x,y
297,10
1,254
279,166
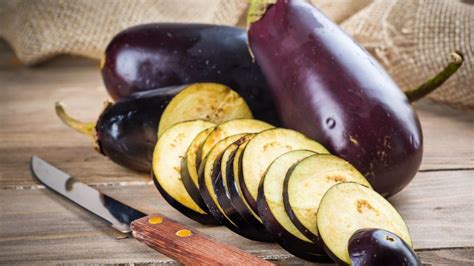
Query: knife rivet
x,y
155,220
184,233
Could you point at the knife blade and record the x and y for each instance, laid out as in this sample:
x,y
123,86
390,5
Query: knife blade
x,y
118,214
161,233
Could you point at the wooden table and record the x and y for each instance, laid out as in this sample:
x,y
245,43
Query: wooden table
x,y
38,226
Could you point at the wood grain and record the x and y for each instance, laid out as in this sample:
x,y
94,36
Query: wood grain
x,y
194,248
40,227
440,217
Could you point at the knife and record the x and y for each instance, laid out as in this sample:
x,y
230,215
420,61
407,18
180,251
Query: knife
x,y
179,242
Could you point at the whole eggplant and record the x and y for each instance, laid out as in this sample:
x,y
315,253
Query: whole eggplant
x,y
380,247
328,87
158,55
126,131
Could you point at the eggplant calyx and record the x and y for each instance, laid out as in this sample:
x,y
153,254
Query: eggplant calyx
x,y
456,60
257,10
81,127
102,62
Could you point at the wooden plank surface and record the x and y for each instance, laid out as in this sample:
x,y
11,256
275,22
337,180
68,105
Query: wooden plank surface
x,y
38,217
38,226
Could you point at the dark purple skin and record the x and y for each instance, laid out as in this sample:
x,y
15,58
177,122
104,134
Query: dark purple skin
x,y
380,247
236,198
226,204
159,55
302,249
206,219
126,131
240,227
328,87
291,213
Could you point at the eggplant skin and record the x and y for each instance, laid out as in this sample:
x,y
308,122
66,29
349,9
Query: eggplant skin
x,y
331,89
157,55
205,219
304,250
380,247
127,130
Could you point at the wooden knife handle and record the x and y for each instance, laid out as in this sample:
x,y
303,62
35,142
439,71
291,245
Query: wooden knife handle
x,y
187,245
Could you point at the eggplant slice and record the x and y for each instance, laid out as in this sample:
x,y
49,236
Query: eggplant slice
x,y
169,151
229,128
220,188
210,170
208,101
235,192
262,150
190,166
272,211
305,185
348,207
223,196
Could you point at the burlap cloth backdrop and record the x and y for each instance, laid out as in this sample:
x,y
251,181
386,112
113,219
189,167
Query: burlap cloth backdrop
x,y
411,38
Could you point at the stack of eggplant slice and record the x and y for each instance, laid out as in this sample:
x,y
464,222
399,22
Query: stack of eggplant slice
x,y
272,184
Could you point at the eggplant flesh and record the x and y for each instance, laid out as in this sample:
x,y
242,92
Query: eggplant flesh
x,y
262,150
208,175
158,55
224,197
222,192
229,128
328,87
373,246
167,157
208,166
245,229
208,101
305,184
271,210
348,207
190,166
234,174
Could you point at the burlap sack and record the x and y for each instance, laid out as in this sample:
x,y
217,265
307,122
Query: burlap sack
x,y
411,38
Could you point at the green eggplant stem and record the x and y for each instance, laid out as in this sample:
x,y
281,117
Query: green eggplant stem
x,y
456,60
81,127
257,9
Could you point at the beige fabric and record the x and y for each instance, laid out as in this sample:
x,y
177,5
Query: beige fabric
x,y
411,38
40,29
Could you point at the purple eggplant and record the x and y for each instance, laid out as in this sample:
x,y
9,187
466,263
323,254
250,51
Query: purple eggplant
x,y
380,247
159,55
328,87
126,131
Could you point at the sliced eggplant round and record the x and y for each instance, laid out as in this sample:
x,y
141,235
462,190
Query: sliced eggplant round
x,y
190,166
223,196
348,207
305,185
169,151
229,128
272,211
262,150
205,173
208,101
220,188
235,192
372,246
210,167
